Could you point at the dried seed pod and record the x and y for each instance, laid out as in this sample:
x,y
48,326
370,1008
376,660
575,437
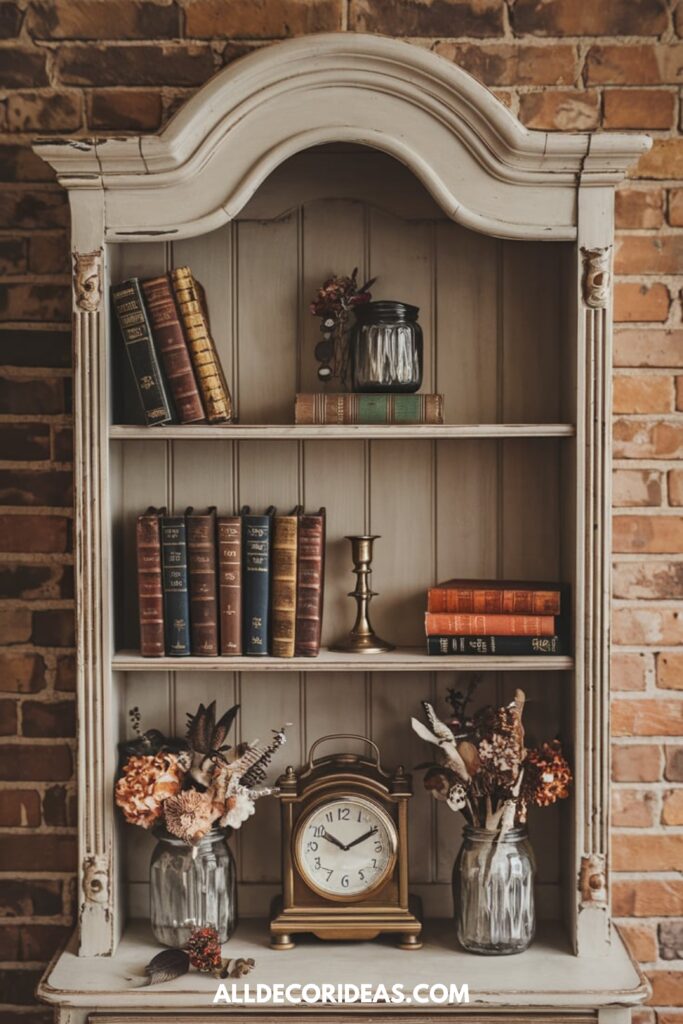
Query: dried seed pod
x,y
166,966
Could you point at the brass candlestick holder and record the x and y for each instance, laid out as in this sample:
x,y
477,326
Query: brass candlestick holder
x,y
362,639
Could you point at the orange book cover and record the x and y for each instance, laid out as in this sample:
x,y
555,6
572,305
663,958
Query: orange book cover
x,y
444,624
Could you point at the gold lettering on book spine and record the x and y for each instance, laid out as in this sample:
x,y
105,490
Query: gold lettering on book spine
x,y
210,378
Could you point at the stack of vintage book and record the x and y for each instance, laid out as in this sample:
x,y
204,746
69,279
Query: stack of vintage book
x,y
176,371
244,584
501,617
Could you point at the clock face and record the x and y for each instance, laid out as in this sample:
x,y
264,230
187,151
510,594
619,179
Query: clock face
x,y
345,847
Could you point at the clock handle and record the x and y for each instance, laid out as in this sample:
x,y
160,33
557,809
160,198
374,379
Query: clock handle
x,y
344,736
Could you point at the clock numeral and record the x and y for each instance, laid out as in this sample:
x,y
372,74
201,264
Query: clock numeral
x,y
318,831
329,873
345,881
343,813
359,818
316,863
329,816
311,847
374,863
361,875
378,847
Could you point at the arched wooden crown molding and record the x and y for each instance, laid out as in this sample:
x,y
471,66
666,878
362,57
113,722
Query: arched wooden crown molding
x,y
478,162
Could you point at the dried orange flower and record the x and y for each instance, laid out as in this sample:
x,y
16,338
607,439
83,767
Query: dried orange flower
x,y
146,782
189,815
547,775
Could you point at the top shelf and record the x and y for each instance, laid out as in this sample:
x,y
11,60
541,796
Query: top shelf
x,y
325,432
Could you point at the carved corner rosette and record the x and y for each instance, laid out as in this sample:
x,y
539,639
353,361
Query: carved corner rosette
x,y
87,280
95,881
596,276
593,880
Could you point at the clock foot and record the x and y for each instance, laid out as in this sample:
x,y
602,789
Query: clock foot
x,y
282,941
410,942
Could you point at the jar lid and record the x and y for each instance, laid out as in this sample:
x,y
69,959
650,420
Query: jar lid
x,y
385,309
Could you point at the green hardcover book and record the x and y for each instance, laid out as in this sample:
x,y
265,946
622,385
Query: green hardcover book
x,y
343,408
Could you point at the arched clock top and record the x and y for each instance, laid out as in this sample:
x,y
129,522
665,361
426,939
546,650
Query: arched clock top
x,y
485,170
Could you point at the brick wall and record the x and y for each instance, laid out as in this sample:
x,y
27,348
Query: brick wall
x,y
125,65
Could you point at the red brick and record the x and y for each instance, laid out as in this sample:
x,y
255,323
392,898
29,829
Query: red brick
x,y
44,112
679,392
125,110
513,63
667,987
56,718
53,627
647,254
63,444
676,207
33,208
636,488
55,807
648,580
36,487
45,348
23,66
642,347
641,940
26,898
673,771
33,534
451,18
52,853
206,19
637,762
670,670
643,393
25,441
647,626
635,64
91,19
49,254
647,717
25,763
34,942
665,160
636,302
639,207
19,163
21,672
633,808
13,256
569,110
165,64
675,483
628,671
8,718
45,396
10,20
634,439
18,987
608,17
638,108
35,302
646,852
15,625
20,808
66,673
647,898
663,1017
653,534
29,582
672,808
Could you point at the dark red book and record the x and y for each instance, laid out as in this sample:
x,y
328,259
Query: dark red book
x,y
150,590
494,597
201,565
169,339
230,583
310,584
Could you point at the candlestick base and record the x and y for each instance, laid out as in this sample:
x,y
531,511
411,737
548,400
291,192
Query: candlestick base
x,y
362,639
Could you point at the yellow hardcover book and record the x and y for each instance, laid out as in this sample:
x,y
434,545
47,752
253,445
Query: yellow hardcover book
x,y
207,366
283,585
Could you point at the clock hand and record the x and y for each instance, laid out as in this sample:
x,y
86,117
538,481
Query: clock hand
x,y
332,839
361,839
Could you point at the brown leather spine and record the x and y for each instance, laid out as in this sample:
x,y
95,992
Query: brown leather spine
x,y
201,563
170,341
150,590
283,586
230,583
310,584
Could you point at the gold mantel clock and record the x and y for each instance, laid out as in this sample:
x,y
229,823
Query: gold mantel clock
x,y
344,850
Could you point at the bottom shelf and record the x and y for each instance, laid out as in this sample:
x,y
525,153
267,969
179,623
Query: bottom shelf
x,y
545,975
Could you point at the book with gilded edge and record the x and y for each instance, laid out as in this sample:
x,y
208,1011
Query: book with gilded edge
x,y
256,540
310,584
283,574
438,623
150,590
230,583
170,343
494,597
202,578
176,588
191,302
136,333
348,408
500,645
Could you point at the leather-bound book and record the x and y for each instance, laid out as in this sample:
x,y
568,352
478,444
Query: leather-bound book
x,y
447,624
191,303
136,332
283,585
310,584
202,577
507,646
172,348
349,408
176,589
495,597
230,583
256,539
150,590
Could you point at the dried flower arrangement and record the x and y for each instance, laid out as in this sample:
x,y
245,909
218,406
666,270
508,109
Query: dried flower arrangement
x,y
333,303
191,786
484,768
203,952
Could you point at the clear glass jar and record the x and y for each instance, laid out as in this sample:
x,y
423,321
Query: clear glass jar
x,y
192,887
386,348
493,892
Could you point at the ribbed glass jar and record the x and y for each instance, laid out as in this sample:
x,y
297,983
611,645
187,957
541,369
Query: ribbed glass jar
x,y
192,887
493,892
386,348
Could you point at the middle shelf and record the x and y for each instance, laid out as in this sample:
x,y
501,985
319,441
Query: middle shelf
x,y
352,431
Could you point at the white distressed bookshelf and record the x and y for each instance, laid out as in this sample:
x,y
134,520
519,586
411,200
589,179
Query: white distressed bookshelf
x,y
305,159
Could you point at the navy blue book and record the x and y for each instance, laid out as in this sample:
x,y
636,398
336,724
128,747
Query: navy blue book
x,y
175,584
256,540
501,645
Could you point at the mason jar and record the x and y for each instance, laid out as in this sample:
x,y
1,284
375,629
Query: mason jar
x,y
386,348
192,887
493,892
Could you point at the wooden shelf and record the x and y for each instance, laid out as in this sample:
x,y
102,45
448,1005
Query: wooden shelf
x,y
547,974
404,659
360,431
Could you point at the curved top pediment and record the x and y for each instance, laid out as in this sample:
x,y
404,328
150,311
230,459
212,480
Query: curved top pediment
x,y
482,166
